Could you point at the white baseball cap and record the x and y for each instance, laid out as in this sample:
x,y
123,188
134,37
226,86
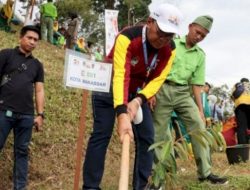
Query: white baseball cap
x,y
167,16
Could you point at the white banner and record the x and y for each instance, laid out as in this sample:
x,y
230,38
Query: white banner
x,y
81,72
111,28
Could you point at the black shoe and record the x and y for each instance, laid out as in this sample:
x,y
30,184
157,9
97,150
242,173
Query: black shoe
x,y
215,179
152,187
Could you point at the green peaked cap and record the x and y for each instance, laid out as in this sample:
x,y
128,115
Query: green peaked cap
x,y
205,21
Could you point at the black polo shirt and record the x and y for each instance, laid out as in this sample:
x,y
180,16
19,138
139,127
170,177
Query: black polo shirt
x,y
17,94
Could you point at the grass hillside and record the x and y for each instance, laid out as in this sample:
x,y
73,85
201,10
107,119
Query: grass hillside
x,y
52,152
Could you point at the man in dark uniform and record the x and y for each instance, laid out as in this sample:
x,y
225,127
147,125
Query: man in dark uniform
x,y
142,57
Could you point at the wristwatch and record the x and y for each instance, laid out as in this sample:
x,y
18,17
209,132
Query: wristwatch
x,y
41,114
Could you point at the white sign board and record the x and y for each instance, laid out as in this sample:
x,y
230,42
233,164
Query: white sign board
x,y
81,72
111,28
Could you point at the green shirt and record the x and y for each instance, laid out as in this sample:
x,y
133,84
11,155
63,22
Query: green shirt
x,y
98,56
48,10
206,108
189,64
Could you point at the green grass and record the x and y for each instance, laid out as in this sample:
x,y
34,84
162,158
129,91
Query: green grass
x,y
53,151
238,174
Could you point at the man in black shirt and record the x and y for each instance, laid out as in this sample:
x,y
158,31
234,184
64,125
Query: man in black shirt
x,y
20,76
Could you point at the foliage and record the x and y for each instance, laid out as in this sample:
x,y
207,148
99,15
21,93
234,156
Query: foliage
x,y
83,8
92,13
100,5
165,167
132,12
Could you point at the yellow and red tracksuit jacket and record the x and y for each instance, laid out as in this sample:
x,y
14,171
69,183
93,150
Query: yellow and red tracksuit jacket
x,y
130,71
244,98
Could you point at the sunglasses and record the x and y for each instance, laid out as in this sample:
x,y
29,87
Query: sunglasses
x,y
162,34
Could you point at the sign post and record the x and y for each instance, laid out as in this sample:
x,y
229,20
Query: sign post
x,y
80,72
79,146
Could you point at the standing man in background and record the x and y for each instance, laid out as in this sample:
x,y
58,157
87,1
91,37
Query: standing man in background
x,y
21,75
72,31
98,54
188,70
48,15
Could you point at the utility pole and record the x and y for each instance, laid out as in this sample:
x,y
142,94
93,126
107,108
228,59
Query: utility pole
x,y
129,12
32,8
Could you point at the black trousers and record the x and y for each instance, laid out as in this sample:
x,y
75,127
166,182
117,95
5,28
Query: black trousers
x,y
242,113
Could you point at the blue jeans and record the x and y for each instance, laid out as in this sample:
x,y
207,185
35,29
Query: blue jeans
x,y
22,129
104,117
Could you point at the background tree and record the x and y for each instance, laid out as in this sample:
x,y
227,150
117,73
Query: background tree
x,y
100,5
92,13
130,12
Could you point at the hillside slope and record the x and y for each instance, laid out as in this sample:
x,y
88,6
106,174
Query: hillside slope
x,y
52,152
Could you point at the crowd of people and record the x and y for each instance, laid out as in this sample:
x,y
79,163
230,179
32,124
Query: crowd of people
x,y
214,110
62,34
152,71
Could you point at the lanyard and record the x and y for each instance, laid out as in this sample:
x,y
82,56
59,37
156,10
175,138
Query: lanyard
x,y
145,53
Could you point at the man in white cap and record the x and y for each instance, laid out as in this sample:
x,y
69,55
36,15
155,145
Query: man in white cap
x,y
188,71
142,58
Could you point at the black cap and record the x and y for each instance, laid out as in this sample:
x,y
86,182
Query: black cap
x,y
244,80
206,83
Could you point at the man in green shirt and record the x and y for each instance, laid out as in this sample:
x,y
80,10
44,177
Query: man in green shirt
x,y
98,55
188,71
48,15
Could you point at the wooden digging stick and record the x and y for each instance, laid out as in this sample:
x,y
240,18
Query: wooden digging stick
x,y
124,171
